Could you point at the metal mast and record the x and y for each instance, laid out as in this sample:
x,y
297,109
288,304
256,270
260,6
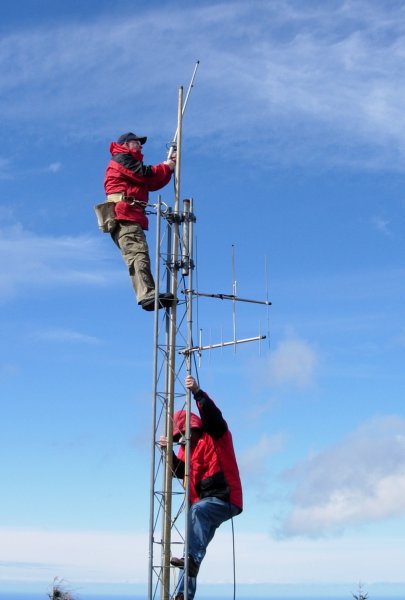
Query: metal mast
x,y
171,370
168,498
165,373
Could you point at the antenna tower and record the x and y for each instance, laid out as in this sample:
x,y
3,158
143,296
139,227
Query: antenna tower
x,y
174,351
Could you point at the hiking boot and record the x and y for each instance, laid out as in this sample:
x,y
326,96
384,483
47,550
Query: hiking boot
x,y
179,597
165,300
193,568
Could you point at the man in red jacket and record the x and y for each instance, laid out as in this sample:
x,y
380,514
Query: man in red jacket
x,y
128,183
215,487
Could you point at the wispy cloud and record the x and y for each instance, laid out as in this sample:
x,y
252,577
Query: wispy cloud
x,y
11,169
382,225
54,167
83,555
293,363
358,481
29,260
5,169
301,561
66,336
91,557
10,564
319,77
253,460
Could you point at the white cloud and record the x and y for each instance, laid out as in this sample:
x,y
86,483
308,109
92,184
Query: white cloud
x,y
86,558
259,558
54,167
360,480
253,460
28,260
80,556
324,77
382,225
5,169
66,335
294,362
352,285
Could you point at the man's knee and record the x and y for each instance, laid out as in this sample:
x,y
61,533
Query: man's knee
x,y
199,513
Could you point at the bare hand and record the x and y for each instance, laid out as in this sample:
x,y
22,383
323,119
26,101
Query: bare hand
x,y
191,384
170,163
163,441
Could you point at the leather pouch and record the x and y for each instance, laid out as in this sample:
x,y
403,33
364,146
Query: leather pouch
x,y
106,216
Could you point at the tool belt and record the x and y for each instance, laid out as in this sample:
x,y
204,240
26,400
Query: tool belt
x,y
105,211
121,197
105,214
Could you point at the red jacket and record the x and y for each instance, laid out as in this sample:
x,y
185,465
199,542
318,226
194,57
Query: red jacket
x,y
127,173
213,467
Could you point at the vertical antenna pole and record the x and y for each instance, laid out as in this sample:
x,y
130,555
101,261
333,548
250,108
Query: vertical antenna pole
x,y
234,292
171,370
167,493
200,344
187,251
174,143
267,297
154,396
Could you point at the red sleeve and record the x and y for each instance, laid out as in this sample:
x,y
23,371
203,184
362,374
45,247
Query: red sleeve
x,y
161,177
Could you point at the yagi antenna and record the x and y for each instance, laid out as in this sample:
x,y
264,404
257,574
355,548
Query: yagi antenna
x,y
234,298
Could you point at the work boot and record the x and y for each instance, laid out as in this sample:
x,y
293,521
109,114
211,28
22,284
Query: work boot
x,y
165,300
193,568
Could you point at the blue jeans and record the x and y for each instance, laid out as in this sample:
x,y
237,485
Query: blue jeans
x,y
205,517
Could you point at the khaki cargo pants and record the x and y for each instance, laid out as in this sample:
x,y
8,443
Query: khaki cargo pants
x,y
131,240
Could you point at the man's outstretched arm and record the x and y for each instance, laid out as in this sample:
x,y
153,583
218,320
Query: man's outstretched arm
x,y
213,422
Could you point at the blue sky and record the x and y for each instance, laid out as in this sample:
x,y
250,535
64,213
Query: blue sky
x,y
294,152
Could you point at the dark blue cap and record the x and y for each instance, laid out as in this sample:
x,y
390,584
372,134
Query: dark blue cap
x,y
127,137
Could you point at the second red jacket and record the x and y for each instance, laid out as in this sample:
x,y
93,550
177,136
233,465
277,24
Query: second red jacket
x,y
213,467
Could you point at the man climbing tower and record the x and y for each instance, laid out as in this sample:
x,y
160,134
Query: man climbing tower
x,y
215,487
127,183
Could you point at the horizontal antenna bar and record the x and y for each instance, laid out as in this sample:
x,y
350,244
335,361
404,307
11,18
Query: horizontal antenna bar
x,y
221,345
227,297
